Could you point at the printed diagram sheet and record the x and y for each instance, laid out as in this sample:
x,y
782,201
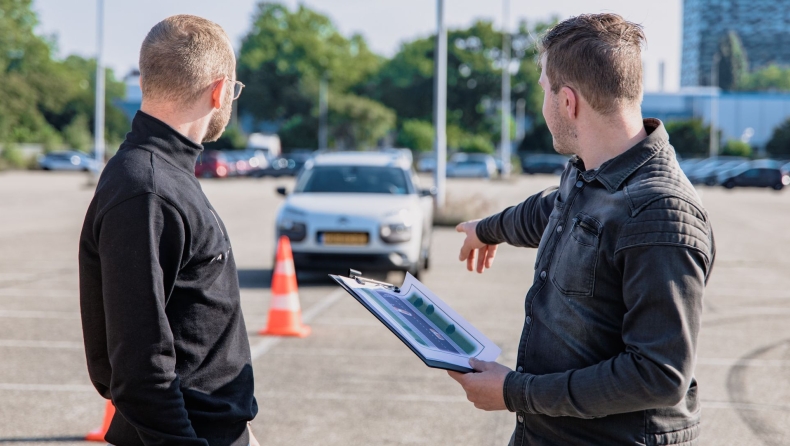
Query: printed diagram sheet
x,y
433,330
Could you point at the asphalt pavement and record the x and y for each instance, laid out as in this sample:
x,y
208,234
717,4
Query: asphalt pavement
x,y
351,382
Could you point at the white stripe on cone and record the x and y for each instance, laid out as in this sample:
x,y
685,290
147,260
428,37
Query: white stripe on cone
x,y
285,267
288,302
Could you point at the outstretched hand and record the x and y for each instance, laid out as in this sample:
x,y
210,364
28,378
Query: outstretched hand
x,y
485,386
473,248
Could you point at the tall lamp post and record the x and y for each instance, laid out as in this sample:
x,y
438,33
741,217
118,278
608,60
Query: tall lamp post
x,y
714,105
440,105
98,129
504,140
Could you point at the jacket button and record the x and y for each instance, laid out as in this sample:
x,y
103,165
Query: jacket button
x,y
543,275
579,184
529,320
520,419
559,229
520,369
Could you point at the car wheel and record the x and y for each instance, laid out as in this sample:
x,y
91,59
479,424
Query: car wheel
x,y
729,184
778,186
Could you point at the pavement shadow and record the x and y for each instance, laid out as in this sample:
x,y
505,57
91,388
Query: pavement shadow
x,y
41,439
262,279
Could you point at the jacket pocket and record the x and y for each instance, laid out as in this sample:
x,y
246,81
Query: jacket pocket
x,y
574,272
554,217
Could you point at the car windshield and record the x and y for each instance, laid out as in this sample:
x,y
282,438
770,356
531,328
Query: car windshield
x,y
354,179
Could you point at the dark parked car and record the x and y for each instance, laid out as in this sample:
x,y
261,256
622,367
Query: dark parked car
x,y
707,171
212,164
544,164
761,173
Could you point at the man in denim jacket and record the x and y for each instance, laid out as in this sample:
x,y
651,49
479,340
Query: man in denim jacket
x,y
625,248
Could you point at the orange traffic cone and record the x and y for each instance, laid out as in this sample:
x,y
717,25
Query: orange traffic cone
x,y
98,434
285,313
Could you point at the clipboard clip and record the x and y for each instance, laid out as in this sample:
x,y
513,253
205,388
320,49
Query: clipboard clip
x,y
356,275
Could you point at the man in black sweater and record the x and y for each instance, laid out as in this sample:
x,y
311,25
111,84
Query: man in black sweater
x,y
165,338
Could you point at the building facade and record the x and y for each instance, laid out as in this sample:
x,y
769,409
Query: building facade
x,y
762,25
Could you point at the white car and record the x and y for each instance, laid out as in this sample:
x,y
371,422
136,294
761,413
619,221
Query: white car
x,y
360,210
68,160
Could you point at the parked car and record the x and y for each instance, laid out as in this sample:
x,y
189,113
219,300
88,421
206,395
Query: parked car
x,y
426,162
555,164
67,160
212,164
785,167
471,165
759,173
288,165
238,162
361,210
707,170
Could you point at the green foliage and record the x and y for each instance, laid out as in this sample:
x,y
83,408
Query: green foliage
x,y
12,158
733,63
40,96
770,78
537,140
232,139
690,138
477,144
779,144
416,135
282,60
77,134
736,147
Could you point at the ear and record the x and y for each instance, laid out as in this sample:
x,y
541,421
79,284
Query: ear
x,y
216,93
570,102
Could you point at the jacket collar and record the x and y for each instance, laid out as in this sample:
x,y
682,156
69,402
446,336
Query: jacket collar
x,y
151,134
612,173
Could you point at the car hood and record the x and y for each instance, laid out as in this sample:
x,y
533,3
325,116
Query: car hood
x,y
364,205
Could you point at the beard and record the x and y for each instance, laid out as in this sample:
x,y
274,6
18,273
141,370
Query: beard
x,y
563,134
219,119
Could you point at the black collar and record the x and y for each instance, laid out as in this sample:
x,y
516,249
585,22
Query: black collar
x,y
612,173
157,137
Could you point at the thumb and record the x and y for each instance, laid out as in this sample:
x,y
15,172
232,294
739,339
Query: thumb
x,y
478,365
461,227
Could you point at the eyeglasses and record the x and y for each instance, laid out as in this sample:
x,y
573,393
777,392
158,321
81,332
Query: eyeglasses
x,y
237,87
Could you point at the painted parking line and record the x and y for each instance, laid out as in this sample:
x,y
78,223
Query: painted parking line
x,y
266,344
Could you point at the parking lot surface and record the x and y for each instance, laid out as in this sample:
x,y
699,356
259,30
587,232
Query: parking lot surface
x,y
352,382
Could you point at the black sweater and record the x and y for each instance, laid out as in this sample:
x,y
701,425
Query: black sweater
x,y
159,295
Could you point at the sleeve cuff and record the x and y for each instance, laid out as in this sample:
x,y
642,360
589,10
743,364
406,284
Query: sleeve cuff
x,y
516,392
483,233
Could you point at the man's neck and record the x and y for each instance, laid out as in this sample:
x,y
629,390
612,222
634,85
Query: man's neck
x,y
607,137
187,122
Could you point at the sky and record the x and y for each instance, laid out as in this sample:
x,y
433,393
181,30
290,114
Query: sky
x,y
385,24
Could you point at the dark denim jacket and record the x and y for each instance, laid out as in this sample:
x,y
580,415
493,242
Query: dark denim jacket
x,y
608,348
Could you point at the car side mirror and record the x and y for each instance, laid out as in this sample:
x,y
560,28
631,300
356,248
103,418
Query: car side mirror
x,y
282,191
432,192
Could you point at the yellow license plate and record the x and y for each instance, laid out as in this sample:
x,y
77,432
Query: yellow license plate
x,y
345,238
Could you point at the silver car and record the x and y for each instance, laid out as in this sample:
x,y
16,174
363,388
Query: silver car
x,y
67,160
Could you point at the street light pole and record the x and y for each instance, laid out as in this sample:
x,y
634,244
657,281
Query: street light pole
x,y
714,106
440,105
504,149
98,130
323,102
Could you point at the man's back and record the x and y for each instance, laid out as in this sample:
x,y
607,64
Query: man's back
x,y
164,333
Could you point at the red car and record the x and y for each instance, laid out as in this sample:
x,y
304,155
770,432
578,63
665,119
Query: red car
x,y
212,164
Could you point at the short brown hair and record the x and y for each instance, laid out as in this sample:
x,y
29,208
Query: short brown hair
x,y
181,56
600,56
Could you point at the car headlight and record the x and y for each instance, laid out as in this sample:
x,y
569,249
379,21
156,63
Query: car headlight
x,y
296,231
395,232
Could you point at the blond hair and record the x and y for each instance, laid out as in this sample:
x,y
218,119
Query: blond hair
x,y
182,56
598,54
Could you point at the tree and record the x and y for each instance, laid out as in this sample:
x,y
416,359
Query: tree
x,y
537,140
733,62
416,135
690,138
474,73
779,144
770,78
736,147
282,60
477,144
